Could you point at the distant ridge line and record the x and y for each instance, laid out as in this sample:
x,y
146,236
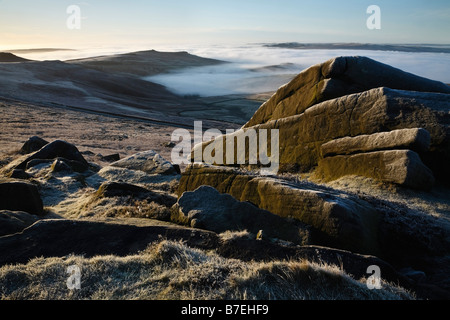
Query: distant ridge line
x,y
37,50
435,48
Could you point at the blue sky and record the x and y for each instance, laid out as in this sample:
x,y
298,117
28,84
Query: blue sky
x,y
42,23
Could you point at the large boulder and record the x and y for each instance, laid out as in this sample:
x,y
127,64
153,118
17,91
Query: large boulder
x,y
335,78
20,196
378,110
149,162
206,208
337,220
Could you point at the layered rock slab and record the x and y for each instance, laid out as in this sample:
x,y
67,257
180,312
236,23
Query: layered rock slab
x,y
355,222
378,110
208,209
402,167
415,139
337,220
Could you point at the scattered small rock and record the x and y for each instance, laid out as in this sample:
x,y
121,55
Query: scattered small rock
x,y
111,158
33,144
148,161
19,174
60,165
116,189
417,276
36,162
56,149
177,168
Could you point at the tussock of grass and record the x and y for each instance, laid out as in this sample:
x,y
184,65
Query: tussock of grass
x,y
170,270
124,207
230,235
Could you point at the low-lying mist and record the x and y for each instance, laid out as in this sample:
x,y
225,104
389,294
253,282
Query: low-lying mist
x,y
230,78
258,69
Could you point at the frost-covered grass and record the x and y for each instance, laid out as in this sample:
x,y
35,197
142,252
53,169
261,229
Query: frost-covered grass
x,y
170,270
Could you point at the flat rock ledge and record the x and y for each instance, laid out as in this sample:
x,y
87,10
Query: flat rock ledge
x,y
415,139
